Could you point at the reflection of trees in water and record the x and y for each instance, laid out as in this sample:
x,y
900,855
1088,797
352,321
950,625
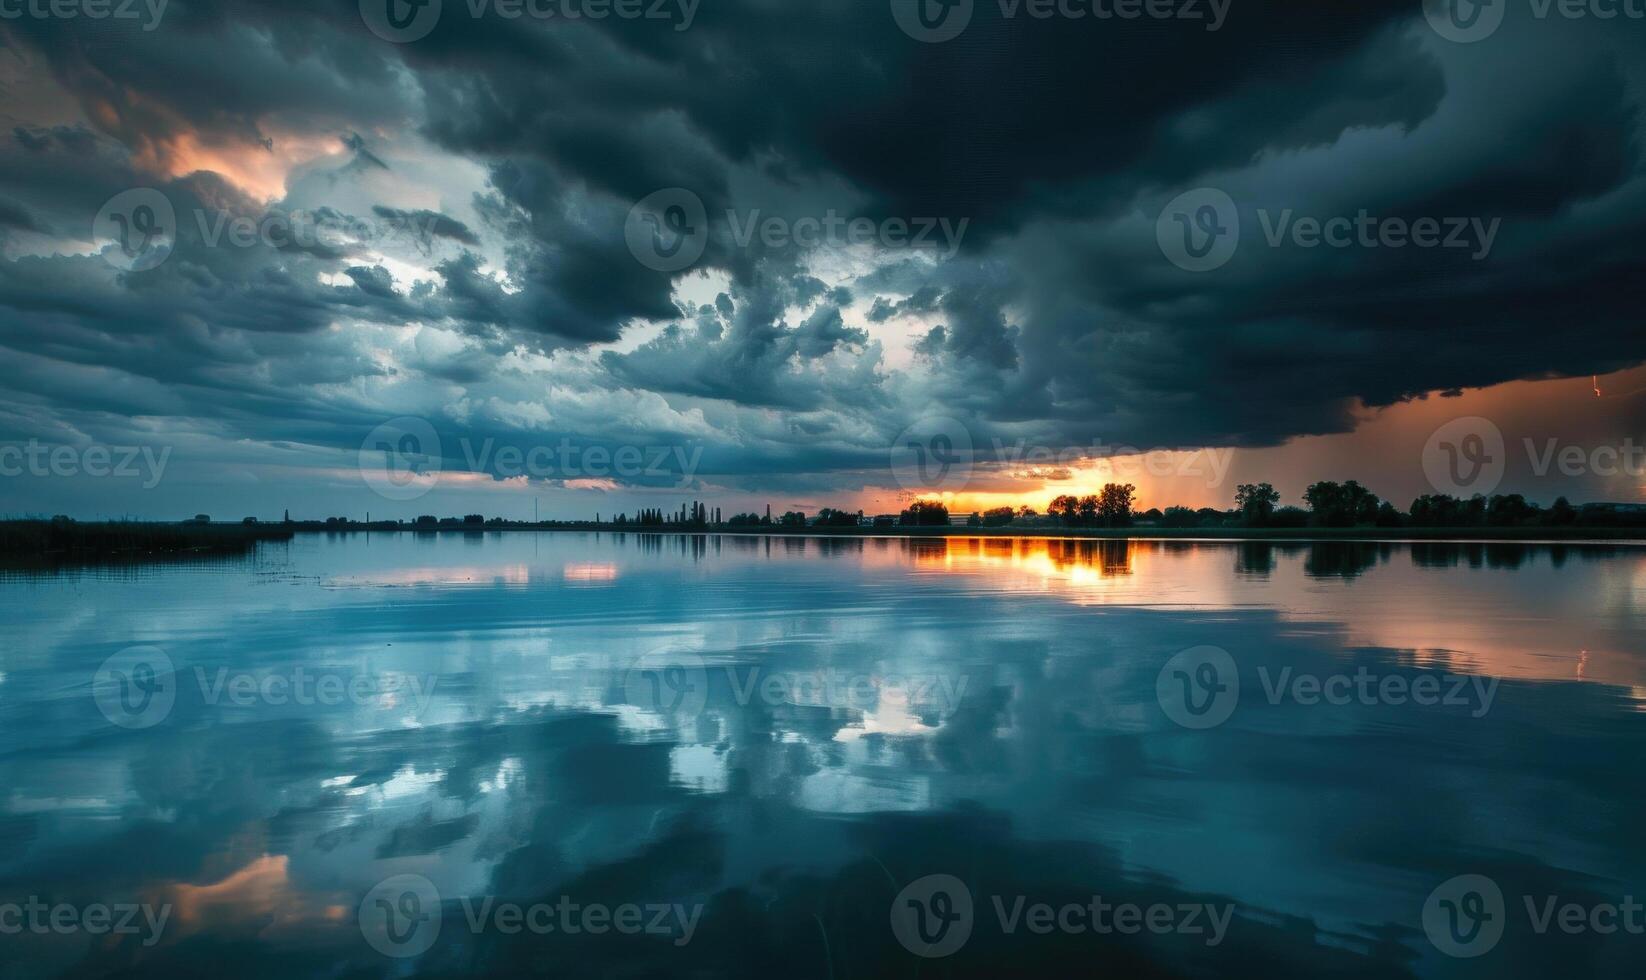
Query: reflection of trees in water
x,y
825,912
1106,556
838,547
1344,559
1481,554
1255,558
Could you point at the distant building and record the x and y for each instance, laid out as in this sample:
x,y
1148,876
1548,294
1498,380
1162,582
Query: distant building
x,y
249,520
199,519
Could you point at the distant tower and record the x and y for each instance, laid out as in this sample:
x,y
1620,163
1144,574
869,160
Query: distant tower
x,y
768,513
288,515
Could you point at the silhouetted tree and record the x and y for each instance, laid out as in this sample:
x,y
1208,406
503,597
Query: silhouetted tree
x,y
998,516
1256,502
1341,505
925,513
1114,504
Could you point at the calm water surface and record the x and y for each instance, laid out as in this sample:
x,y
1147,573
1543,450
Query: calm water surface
x,y
765,743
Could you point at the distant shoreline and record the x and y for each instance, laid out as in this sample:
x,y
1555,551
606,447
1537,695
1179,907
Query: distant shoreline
x,y
1296,535
1524,535
53,544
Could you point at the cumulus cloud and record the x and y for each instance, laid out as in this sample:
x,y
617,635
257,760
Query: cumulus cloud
x,y
516,149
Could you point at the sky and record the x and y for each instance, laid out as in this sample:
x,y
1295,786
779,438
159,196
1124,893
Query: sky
x,y
587,256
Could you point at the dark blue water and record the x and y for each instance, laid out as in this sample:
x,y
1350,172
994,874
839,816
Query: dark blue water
x,y
581,755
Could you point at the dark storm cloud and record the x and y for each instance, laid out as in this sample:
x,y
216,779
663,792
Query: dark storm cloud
x,y
428,222
745,352
1059,141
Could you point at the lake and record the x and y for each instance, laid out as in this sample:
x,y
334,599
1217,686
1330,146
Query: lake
x,y
673,755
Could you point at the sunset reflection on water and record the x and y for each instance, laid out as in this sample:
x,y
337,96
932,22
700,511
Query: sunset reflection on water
x,y
997,712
